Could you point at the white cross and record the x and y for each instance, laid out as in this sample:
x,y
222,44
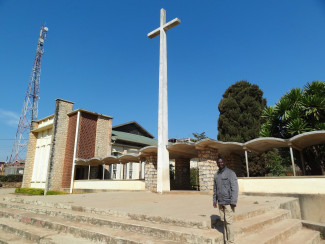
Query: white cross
x,y
163,181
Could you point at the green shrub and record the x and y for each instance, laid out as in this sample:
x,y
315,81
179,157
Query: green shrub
x,y
55,193
31,191
11,178
194,176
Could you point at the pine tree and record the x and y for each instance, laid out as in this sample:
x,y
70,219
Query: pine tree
x,y
240,120
240,112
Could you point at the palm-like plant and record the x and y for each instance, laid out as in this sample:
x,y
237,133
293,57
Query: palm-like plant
x,y
298,111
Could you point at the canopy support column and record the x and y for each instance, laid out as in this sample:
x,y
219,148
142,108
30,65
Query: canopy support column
x,y
292,161
121,171
103,171
246,159
88,171
302,162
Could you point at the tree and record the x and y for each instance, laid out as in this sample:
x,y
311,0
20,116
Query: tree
x,y
198,136
240,119
299,111
240,112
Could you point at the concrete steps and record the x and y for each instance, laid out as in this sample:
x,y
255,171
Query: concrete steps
x,y
47,216
14,232
288,231
7,237
305,236
25,221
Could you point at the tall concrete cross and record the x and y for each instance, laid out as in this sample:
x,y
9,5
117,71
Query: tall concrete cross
x,y
163,181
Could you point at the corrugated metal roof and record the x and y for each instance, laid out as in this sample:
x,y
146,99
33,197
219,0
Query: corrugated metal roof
x,y
119,135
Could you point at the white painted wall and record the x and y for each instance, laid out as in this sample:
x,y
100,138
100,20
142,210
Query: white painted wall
x,y
110,184
38,185
286,185
42,156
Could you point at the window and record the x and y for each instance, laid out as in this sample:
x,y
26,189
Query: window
x,y
130,170
114,171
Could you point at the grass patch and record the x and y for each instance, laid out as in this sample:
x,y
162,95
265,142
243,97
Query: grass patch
x,y
56,193
39,192
256,202
30,191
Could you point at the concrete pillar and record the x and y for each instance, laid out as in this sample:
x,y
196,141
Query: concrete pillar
x,y
58,145
30,157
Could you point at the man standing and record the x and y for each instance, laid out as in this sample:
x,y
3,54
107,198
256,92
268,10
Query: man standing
x,y
225,194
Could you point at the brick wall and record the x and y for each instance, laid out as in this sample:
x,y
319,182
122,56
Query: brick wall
x,y
69,150
87,136
30,157
151,173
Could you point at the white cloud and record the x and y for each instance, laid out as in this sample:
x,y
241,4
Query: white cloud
x,y
9,118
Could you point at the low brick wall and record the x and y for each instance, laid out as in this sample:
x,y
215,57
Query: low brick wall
x,y
11,184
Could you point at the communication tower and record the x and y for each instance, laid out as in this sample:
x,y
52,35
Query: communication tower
x,y
30,107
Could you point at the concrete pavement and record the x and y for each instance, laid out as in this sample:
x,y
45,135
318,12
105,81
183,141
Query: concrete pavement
x,y
176,206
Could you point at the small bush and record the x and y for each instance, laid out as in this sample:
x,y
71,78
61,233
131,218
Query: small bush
x,y
55,193
30,191
11,178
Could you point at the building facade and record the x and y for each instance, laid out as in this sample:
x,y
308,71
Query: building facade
x,y
59,140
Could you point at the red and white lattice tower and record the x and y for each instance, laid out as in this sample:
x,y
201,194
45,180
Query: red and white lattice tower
x,y
30,107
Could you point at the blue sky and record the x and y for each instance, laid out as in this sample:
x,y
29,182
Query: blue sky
x,y
98,55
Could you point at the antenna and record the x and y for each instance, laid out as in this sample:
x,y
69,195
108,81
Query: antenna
x,y
30,108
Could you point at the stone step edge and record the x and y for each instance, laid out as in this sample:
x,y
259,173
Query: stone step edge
x,y
55,224
312,236
270,218
63,233
7,238
77,233
20,232
142,217
320,227
290,227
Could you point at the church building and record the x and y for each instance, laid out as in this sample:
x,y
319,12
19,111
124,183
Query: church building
x,y
60,144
